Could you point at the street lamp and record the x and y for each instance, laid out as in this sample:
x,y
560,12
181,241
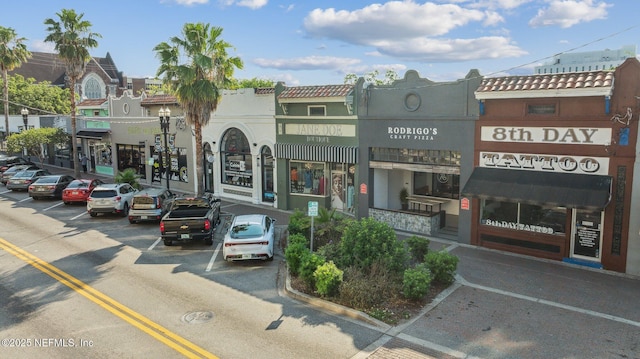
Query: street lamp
x,y
25,117
165,117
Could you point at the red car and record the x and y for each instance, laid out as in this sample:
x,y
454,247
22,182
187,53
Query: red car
x,y
79,190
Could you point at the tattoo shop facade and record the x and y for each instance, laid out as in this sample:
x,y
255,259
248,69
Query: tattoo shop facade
x,y
417,135
316,147
554,167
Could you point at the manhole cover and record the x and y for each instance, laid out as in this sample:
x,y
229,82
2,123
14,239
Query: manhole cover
x,y
197,317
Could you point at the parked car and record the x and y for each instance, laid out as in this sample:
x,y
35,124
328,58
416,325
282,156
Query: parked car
x,y
111,198
191,218
7,162
250,236
23,179
150,205
79,190
15,169
49,186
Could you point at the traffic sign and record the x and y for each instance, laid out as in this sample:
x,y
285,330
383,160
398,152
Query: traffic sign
x,y
313,208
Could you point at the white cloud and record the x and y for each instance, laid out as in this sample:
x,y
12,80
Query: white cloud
x,y
566,13
392,20
306,63
437,50
251,4
191,2
41,46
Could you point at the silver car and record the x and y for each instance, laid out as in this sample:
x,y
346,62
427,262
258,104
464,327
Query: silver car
x,y
150,205
111,198
250,236
23,179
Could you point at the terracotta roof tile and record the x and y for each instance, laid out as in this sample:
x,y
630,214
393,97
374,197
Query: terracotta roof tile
x,y
159,100
264,90
316,91
575,80
93,102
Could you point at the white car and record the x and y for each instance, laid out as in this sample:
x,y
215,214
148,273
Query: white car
x,y
111,198
250,236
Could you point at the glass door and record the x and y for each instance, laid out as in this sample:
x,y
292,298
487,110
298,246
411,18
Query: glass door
x,y
587,234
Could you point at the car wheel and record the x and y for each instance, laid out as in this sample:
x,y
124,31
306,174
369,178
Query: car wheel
x,y
167,242
93,214
67,202
132,221
209,240
125,210
270,259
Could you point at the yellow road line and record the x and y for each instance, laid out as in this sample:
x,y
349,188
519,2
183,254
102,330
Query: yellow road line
x,y
165,336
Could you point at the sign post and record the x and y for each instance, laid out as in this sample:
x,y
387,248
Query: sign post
x,y
312,210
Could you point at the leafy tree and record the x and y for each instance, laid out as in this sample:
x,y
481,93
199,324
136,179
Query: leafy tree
x,y
199,80
372,77
73,38
41,96
13,52
250,83
35,141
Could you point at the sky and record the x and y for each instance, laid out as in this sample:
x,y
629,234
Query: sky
x,y
309,42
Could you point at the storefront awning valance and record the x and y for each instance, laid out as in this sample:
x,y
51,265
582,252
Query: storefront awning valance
x,y
541,188
336,154
94,133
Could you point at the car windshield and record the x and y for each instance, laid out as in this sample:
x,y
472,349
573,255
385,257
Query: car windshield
x,y
47,180
25,174
78,184
246,230
103,193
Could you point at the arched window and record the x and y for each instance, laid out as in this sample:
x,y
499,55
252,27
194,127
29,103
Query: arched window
x,y
92,89
236,161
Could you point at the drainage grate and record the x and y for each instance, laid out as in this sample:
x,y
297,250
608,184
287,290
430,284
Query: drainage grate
x,y
197,317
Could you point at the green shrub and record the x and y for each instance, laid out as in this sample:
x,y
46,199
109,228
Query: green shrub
x,y
416,282
331,251
442,265
367,241
363,291
129,176
328,278
308,265
418,247
299,223
298,238
293,255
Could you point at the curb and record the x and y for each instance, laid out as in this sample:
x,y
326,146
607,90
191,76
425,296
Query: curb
x,y
327,305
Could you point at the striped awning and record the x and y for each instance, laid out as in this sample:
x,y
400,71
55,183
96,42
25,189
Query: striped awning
x,y
336,154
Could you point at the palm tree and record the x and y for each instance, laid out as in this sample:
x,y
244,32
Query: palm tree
x,y
73,38
198,82
13,52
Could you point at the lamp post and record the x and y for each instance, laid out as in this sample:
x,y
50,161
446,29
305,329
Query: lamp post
x,y
165,117
25,117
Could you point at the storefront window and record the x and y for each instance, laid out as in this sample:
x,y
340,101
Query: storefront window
x,y
525,217
308,178
103,155
237,162
436,184
177,166
132,156
416,156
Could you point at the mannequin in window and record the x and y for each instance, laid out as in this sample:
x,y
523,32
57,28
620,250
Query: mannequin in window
x,y
308,181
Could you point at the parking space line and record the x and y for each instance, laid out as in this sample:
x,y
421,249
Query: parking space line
x,y
7,191
78,216
25,199
54,206
155,243
213,258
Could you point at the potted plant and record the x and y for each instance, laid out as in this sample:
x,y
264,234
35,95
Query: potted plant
x,y
404,194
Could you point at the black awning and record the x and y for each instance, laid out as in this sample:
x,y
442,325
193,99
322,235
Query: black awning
x,y
541,188
94,133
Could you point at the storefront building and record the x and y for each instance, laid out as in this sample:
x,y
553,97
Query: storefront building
x,y
239,145
416,138
554,165
316,147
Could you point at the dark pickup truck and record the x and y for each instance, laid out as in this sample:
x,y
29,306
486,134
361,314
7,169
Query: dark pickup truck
x,y
190,218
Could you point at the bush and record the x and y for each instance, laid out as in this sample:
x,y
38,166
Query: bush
x,y
418,247
129,176
293,255
308,265
328,279
442,265
367,241
363,291
299,223
298,238
416,282
330,251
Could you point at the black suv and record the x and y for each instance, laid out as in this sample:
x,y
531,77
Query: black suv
x,y
7,162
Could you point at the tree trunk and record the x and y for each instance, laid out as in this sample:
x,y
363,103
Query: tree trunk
x,y
74,148
198,160
5,93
